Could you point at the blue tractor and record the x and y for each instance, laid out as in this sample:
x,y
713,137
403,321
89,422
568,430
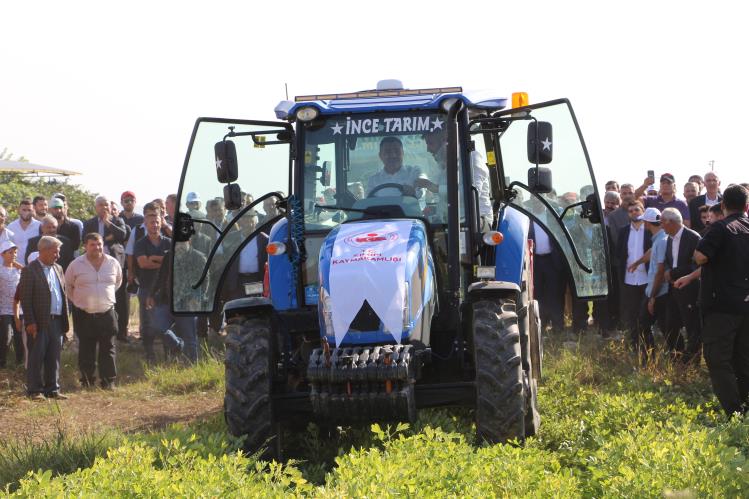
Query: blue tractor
x,y
391,267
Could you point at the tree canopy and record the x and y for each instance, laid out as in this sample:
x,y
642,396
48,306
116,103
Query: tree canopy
x,y
14,187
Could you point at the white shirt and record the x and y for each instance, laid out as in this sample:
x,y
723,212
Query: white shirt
x,y
90,289
675,246
407,175
9,279
248,258
634,252
711,202
130,246
543,245
21,237
481,182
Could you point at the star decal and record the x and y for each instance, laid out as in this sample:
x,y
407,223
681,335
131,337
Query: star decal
x,y
336,128
437,124
218,164
547,144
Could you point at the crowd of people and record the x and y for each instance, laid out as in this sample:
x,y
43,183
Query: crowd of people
x,y
59,273
678,263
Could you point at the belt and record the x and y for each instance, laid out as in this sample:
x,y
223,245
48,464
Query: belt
x,y
545,254
99,314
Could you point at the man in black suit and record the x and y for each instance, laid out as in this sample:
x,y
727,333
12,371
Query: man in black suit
x,y
115,233
49,228
711,197
45,315
682,308
633,242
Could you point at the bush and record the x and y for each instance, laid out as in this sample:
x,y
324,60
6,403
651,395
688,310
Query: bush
x,y
14,187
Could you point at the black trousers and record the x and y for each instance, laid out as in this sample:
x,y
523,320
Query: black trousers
x,y
683,311
122,306
631,296
726,350
8,334
97,332
548,286
644,341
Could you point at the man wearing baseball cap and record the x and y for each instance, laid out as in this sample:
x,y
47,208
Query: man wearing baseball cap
x,y
665,198
65,227
655,303
132,219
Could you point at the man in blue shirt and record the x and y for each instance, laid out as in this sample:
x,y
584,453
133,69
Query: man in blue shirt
x,y
654,304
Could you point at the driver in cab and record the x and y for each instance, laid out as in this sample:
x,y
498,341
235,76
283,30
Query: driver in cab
x,y
393,172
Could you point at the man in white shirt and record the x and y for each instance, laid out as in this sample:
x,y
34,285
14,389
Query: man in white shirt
x,y
634,242
91,282
393,172
25,226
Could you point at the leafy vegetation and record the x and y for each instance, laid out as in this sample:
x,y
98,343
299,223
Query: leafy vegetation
x,y
14,187
610,429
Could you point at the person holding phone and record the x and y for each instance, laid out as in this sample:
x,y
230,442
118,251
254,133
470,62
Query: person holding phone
x,y
666,197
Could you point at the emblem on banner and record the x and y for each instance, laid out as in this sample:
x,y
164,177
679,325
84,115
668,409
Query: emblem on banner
x,y
370,238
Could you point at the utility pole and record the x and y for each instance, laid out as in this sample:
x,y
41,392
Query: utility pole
x,y
712,165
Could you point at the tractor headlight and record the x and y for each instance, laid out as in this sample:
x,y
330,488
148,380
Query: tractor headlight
x,y
307,113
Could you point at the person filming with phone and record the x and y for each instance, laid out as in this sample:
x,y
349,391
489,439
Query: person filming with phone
x,y
666,197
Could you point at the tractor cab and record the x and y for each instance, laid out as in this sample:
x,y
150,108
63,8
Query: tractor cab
x,y
376,244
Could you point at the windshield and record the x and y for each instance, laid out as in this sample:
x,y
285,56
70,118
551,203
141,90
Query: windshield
x,y
370,161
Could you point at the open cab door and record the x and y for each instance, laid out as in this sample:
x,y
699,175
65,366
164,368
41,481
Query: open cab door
x,y
542,142
231,168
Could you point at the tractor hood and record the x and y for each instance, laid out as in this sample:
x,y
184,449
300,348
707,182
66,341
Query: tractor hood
x,y
376,282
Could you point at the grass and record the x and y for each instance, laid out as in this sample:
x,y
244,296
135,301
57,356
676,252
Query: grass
x,y
610,429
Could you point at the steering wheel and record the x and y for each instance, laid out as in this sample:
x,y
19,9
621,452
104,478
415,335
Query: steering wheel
x,y
400,187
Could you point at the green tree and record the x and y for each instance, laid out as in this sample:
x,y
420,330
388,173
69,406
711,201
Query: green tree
x,y
14,187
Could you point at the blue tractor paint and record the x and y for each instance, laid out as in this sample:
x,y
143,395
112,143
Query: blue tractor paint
x,y
427,101
420,280
280,272
508,256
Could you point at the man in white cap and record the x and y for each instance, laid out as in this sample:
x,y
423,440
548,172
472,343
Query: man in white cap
x,y
655,303
192,201
10,275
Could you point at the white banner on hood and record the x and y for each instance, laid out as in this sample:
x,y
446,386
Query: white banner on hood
x,y
369,263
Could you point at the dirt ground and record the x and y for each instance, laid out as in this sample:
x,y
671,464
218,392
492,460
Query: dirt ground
x,y
133,407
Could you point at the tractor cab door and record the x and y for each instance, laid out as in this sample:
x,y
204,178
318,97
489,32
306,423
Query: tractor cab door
x,y
224,205
548,176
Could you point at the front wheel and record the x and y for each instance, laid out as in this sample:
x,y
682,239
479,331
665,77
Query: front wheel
x,y
500,383
250,352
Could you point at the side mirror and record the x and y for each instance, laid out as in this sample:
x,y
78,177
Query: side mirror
x,y
232,197
539,180
325,174
226,161
539,142
591,209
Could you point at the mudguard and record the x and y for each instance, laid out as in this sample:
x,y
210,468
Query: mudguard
x,y
508,256
365,267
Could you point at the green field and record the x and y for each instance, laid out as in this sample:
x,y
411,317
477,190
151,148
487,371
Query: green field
x,y
609,429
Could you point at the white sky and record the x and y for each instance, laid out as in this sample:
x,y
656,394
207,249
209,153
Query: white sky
x,y
113,90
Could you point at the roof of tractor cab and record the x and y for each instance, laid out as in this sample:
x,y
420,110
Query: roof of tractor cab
x,y
392,99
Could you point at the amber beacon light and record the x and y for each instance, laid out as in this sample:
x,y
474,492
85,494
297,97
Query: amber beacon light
x,y
519,99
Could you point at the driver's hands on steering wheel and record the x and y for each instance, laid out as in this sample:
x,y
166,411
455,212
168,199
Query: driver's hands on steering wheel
x,y
408,190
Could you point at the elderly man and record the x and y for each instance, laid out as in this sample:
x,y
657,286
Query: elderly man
x,y
665,197
111,229
91,282
25,226
45,314
619,218
724,298
611,201
49,228
711,197
682,309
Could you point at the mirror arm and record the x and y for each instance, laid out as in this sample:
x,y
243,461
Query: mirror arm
x,y
207,222
567,235
223,233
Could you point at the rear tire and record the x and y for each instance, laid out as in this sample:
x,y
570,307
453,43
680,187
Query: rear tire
x,y
250,354
500,390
